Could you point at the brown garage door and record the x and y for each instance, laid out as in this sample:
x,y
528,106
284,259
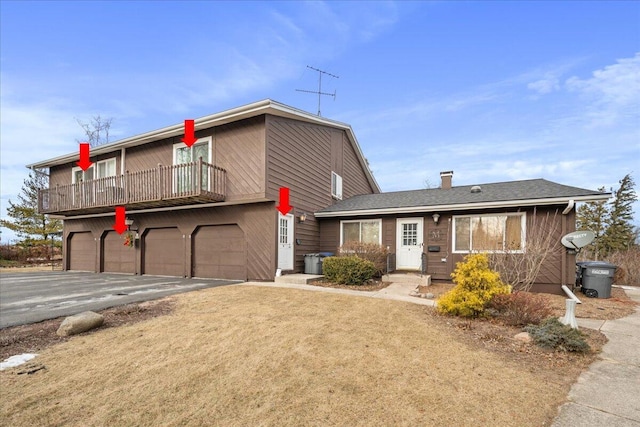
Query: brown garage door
x,y
219,251
116,257
82,252
164,252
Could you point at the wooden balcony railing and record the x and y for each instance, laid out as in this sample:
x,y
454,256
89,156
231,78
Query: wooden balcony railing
x,y
196,182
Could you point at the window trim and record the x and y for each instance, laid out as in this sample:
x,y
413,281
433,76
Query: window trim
x,y
523,236
336,192
207,139
378,220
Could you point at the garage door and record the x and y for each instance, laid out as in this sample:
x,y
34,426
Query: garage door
x,y
219,251
164,252
82,252
116,257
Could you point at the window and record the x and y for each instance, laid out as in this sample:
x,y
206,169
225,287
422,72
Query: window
x,y
101,169
489,233
106,168
336,186
366,231
185,176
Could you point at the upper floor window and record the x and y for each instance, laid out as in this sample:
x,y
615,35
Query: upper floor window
x,y
336,186
489,233
102,169
185,176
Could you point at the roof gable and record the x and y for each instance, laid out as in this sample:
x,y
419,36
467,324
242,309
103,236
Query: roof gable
x,y
266,106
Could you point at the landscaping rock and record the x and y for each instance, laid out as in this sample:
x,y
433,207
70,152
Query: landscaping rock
x,y
79,323
430,295
523,337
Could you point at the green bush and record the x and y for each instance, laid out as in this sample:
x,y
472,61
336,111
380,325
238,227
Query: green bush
x,y
554,335
476,284
373,252
348,270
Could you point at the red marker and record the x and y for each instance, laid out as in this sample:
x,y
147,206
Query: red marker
x,y
120,225
84,161
284,206
189,133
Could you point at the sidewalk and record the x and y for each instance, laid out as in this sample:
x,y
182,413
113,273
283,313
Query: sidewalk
x,y
608,393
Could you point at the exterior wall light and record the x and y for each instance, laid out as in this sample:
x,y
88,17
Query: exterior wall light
x,y
436,218
302,218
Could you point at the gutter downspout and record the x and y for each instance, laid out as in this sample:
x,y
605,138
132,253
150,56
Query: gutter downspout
x,y
563,261
570,206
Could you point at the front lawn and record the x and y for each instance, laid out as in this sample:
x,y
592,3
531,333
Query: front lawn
x,y
244,355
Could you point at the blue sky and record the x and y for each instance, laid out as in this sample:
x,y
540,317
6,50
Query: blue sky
x,y
494,91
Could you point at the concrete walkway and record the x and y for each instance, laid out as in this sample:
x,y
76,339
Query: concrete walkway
x,y
608,393
395,291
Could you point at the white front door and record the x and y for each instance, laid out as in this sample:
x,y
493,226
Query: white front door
x,y
285,242
409,243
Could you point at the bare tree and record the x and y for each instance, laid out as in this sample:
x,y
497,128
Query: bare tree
x,y
96,131
520,267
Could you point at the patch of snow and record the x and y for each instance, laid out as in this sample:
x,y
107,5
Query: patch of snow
x,y
17,360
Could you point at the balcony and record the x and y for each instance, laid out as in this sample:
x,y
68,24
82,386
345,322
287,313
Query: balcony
x,y
189,183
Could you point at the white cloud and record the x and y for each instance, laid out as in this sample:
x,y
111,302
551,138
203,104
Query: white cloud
x,y
546,85
612,93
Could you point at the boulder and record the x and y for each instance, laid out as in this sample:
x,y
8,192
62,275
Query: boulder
x,y
79,323
523,337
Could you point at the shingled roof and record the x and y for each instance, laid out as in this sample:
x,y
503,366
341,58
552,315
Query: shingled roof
x,y
495,195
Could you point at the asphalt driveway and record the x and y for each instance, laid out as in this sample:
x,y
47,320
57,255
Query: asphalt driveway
x,y
33,297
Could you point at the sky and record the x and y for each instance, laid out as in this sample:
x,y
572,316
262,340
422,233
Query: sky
x,y
495,91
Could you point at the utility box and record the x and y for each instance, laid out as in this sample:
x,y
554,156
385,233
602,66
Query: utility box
x,y
595,278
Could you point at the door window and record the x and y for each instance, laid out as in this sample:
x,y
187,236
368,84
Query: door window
x,y
185,158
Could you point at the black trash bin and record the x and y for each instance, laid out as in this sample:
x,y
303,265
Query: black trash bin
x,y
595,277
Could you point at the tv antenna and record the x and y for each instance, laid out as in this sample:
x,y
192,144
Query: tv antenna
x,y
319,92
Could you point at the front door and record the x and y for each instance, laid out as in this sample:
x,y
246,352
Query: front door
x,y
409,243
285,242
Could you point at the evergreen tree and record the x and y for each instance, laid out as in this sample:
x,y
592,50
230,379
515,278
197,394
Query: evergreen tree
x,y
594,216
620,235
31,227
612,221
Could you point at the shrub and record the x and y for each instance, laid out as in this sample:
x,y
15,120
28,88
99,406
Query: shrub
x,y
554,335
476,284
373,252
348,270
520,308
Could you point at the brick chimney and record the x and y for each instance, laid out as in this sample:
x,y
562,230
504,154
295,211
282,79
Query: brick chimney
x,y
446,178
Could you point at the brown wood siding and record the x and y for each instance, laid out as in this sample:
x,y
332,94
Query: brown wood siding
x,y
329,235
551,274
337,152
257,222
301,156
239,148
354,180
219,251
116,257
82,250
438,236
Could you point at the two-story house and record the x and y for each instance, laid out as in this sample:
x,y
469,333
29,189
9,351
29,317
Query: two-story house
x,y
208,210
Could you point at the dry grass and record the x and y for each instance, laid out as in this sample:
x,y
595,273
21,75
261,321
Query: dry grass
x,y
245,355
616,307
